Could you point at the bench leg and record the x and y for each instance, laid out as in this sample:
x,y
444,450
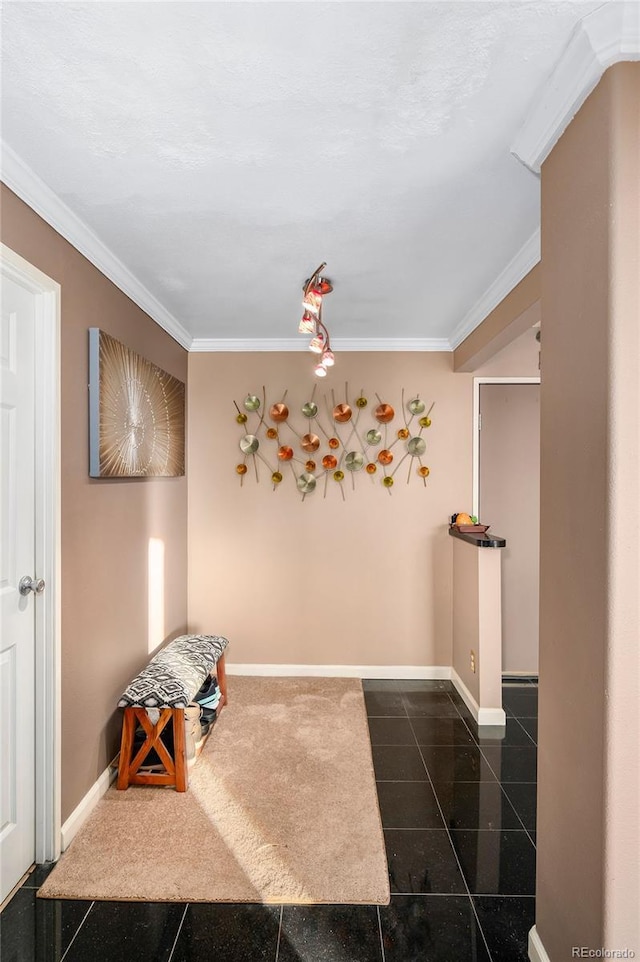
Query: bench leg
x,y
126,745
179,751
221,674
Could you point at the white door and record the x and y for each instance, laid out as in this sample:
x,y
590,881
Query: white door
x,y
17,559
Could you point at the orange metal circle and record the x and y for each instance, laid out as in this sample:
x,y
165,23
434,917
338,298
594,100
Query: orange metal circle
x,y
285,453
241,468
384,413
371,468
385,457
423,471
310,442
278,412
403,434
342,413
310,466
329,462
272,434
334,443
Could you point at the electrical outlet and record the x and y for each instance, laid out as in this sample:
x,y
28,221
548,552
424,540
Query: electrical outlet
x,y
473,662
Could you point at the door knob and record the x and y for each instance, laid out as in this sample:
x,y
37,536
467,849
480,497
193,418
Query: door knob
x,y
28,584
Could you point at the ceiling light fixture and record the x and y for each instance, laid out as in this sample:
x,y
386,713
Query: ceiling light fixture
x,y
315,289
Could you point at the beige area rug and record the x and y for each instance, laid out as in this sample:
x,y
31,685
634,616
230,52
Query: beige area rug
x,y
281,808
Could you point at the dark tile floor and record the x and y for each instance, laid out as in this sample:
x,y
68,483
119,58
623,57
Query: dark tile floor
x,y
458,812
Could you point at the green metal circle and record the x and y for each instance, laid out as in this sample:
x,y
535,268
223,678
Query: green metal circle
x,y
354,461
306,483
249,444
416,447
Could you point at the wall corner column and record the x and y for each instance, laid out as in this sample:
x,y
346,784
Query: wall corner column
x,y
588,854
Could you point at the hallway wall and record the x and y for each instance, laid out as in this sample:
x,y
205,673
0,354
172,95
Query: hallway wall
x,y
364,581
106,524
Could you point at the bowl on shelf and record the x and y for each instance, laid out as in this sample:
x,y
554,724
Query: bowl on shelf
x,y
471,528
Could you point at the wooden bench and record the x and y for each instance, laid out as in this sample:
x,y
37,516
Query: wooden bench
x,y
167,685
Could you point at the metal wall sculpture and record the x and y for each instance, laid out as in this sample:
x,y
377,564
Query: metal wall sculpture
x,y
332,442
136,414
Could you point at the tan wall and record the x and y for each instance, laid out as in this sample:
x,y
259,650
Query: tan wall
x,y
477,621
366,581
466,603
588,884
520,358
106,525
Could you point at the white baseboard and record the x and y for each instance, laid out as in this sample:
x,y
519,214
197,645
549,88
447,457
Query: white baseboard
x,y
537,952
495,717
82,811
343,671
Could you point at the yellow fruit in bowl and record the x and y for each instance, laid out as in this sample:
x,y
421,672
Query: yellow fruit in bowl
x,y
463,518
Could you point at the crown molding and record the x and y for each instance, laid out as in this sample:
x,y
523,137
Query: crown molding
x,y
608,35
517,268
201,345
217,345
410,344
33,191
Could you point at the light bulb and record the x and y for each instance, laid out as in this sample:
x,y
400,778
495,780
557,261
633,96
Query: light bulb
x,y
317,344
328,359
320,370
312,302
307,325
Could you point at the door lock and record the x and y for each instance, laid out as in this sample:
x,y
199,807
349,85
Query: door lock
x,y
28,584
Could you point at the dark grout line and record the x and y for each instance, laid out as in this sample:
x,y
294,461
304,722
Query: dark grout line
x,y
404,828
175,941
526,733
437,895
490,895
75,936
379,933
401,781
279,933
388,716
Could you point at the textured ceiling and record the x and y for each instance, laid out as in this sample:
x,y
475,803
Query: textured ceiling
x,y
222,150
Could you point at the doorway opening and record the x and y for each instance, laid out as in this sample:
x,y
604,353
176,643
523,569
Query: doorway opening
x,y
506,494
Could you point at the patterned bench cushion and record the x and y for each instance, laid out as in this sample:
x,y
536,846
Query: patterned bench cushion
x,y
174,675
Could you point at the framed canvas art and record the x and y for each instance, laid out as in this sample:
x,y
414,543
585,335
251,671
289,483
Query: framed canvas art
x,y
136,414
